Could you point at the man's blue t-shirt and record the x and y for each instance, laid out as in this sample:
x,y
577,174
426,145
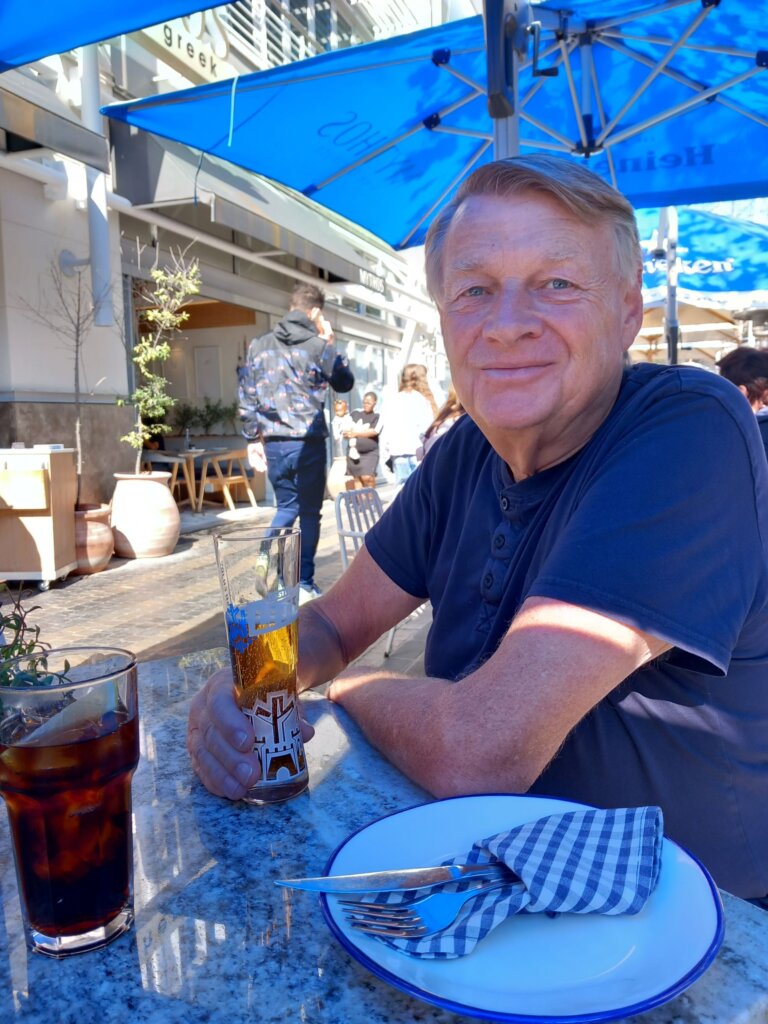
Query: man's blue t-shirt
x,y
661,520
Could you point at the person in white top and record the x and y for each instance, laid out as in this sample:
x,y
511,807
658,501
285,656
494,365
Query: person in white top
x,y
408,415
450,411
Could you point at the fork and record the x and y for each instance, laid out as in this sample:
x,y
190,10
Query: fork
x,y
423,916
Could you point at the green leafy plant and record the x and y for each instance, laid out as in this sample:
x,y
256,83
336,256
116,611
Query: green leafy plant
x,y
183,416
172,287
230,416
19,639
210,414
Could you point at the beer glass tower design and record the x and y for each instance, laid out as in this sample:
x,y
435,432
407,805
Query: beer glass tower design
x,y
259,572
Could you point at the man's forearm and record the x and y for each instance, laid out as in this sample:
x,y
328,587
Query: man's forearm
x,y
404,718
321,651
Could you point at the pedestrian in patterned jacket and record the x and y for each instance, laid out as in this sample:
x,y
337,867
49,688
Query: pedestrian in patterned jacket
x,y
282,397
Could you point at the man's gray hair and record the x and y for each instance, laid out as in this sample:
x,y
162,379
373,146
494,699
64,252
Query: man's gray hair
x,y
585,194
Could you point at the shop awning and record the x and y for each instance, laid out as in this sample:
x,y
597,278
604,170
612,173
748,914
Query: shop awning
x,y
28,33
153,172
31,117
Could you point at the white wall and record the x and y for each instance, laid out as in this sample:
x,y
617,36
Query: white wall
x,y
38,359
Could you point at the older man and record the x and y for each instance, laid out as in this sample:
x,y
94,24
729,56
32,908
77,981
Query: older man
x,y
592,540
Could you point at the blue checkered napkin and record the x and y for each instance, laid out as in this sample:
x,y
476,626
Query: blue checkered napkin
x,y
581,862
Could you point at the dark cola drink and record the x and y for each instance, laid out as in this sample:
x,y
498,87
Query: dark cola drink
x,y
69,807
68,750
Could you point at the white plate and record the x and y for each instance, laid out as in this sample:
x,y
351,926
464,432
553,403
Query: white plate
x,y
563,970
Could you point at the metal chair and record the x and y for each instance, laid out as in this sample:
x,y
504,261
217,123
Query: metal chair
x,y
356,512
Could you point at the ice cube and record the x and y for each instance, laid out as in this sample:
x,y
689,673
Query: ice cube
x,y
88,707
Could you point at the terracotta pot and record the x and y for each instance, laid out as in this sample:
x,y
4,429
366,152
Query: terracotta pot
x,y
94,541
145,518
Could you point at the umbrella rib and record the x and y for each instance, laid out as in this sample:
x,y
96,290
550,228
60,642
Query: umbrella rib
x,y
574,98
682,79
463,78
726,51
548,130
459,177
666,5
601,114
543,144
654,73
680,108
396,141
445,130
742,110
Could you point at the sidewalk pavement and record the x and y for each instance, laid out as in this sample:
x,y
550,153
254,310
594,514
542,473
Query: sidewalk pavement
x,y
163,607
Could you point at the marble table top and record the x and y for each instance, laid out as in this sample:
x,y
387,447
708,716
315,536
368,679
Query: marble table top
x,y
216,942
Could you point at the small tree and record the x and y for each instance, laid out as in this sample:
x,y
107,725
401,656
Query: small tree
x,y
69,313
172,286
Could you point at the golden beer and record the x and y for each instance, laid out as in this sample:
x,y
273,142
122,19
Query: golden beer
x,y
263,648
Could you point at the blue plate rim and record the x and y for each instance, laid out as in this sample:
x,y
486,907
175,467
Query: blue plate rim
x,y
619,1013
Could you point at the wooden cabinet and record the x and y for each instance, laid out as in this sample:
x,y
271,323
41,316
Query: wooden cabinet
x,y
37,514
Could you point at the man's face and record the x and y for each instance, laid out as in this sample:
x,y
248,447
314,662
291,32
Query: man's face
x,y
369,403
536,319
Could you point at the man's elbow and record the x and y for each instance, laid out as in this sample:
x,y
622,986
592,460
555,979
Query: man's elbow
x,y
463,766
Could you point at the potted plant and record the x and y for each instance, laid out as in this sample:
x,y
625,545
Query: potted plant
x,y
145,518
71,316
184,417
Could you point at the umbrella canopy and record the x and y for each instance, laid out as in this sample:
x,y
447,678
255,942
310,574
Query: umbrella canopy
x,y
668,100
723,262
25,36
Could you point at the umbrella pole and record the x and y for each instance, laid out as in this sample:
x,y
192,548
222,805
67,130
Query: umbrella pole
x,y
668,233
506,41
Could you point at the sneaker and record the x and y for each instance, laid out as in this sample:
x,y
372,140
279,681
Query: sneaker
x,y
308,592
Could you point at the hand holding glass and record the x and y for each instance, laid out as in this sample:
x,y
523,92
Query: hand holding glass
x,y
259,575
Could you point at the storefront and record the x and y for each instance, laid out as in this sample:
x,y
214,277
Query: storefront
x,y
253,240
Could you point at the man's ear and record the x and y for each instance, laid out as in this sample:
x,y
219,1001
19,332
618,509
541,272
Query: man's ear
x,y
633,311
314,313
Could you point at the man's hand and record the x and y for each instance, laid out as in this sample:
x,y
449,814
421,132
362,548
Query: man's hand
x,y
256,458
220,742
324,328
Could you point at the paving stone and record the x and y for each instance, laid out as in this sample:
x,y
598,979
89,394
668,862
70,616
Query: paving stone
x,y
160,607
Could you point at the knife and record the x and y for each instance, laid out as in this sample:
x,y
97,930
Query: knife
x,y
392,881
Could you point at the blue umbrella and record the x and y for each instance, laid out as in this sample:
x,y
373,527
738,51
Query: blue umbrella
x,y
703,259
27,35
668,100
723,262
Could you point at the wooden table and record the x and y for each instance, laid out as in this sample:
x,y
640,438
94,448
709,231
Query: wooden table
x,y
221,469
216,942
183,460
228,468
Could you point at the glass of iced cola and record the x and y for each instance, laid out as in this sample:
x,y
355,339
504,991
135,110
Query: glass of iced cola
x,y
69,744
259,575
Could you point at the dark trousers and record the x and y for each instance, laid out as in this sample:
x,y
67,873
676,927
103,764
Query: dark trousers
x,y
296,470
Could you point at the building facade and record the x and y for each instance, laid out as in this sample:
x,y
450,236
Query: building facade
x,y
87,209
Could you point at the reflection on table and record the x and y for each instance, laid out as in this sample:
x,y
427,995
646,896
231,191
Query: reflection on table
x,y
221,469
216,941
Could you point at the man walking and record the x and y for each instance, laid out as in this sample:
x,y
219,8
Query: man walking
x,y
282,395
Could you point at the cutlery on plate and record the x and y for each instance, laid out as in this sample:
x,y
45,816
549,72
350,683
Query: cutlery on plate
x,y
394,881
416,919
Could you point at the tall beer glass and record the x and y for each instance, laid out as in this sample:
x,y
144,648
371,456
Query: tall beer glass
x,y
259,575
69,744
